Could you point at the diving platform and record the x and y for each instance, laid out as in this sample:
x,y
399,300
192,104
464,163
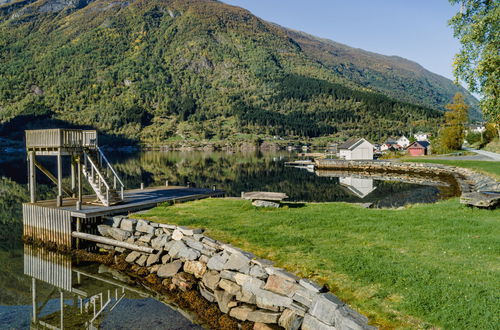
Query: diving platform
x,y
56,221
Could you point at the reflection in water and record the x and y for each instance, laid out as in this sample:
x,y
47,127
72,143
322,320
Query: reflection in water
x,y
256,171
91,297
357,186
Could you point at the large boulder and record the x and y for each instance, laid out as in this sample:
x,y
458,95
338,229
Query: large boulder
x,y
485,199
324,308
211,279
263,316
290,320
196,268
223,299
118,234
170,269
281,285
241,312
217,262
143,226
238,262
128,224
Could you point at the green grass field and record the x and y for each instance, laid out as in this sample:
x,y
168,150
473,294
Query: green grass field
x,y
434,265
490,168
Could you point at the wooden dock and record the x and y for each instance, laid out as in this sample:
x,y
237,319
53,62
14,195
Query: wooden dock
x,y
45,221
56,221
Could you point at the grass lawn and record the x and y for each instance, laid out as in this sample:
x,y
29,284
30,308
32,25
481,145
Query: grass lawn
x,y
422,266
490,168
493,146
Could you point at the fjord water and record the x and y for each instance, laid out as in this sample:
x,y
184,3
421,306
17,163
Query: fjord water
x,y
233,172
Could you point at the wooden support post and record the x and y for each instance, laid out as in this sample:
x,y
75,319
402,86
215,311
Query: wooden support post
x,y
73,176
166,183
61,303
78,229
32,178
34,302
79,193
142,185
59,179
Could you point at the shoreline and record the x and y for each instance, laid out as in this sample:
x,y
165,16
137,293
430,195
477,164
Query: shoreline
x,y
228,287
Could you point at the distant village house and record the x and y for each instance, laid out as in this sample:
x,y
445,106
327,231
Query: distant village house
x,y
403,141
422,136
477,128
394,144
419,148
356,149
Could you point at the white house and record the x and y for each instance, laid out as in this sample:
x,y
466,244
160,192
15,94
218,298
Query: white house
x,y
403,141
477,128
422,136
356,149
385,147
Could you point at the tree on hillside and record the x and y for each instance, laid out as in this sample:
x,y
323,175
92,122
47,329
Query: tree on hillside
x,y
452,134
477,26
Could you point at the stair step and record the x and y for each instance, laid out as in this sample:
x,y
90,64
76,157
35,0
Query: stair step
x,y
113,196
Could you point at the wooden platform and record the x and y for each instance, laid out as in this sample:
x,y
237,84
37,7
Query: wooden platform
x,y
134,200
264,196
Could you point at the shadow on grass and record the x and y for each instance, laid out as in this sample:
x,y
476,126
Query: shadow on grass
x,y
292,205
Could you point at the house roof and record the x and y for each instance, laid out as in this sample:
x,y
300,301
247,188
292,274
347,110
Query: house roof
x,y
351,143
422,144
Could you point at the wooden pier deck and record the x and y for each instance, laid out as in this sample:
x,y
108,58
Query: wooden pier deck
x,y
45,221
134,200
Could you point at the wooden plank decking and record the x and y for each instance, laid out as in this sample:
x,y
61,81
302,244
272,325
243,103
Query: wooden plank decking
x,y
134,200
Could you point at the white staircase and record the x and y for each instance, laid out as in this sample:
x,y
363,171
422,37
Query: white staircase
x,y
102,177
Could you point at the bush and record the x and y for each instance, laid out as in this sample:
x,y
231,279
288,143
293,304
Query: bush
x,y
474,138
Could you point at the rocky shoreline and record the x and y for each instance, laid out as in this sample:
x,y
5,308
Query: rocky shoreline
x,y
476,189
243,287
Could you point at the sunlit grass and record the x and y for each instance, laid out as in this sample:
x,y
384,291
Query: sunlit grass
x,y
425,265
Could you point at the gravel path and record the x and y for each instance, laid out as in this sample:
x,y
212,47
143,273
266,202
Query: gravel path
x,y
492,155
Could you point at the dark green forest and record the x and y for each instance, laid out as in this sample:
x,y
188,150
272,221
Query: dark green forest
x,y
164,71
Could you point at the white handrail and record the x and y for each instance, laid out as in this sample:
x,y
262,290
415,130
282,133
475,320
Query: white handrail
x,y
110,166
97,170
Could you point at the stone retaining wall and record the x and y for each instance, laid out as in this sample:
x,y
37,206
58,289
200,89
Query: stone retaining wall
x,y
467,180
242,285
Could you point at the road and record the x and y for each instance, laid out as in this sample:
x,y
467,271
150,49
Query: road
x,y
489,154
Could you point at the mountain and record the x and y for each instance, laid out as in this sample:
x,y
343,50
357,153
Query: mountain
x,y
392,75
160,71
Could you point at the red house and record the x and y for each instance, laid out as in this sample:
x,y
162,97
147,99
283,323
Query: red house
x,y
419,148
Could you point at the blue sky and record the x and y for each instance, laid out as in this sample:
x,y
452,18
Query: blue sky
x,y
413,29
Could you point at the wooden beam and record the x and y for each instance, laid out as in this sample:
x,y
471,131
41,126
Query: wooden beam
x,y
112,242
50,176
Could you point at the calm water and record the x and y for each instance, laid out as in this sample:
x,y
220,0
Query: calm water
x,y
233,172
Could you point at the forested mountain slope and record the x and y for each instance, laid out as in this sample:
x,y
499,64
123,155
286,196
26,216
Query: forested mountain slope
x,y
166,70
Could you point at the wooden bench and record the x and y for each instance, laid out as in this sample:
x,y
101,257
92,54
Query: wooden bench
x,y
264,198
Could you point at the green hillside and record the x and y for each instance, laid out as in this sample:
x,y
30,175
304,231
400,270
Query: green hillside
x,y
159,71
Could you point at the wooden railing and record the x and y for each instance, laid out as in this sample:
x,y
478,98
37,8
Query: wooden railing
x,y
61,138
